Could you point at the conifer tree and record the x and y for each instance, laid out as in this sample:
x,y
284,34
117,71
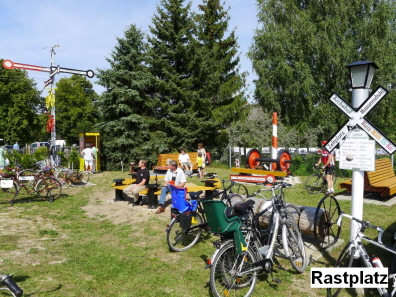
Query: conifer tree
x,y
125,109
217,61
179,110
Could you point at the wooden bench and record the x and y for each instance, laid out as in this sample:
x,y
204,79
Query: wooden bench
x,y
162,158
120,184
382,180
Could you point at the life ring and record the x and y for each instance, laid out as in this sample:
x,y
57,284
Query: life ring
x,y
50,124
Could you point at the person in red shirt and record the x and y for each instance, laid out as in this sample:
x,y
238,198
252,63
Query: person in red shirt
x,y
327,159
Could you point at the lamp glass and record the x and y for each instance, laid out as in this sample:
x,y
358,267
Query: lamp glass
x,y
370,76
358,75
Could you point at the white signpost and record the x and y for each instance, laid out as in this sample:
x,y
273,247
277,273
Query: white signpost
x,y
357,152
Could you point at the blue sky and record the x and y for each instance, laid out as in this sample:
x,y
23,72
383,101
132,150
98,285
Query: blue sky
x,y
86,31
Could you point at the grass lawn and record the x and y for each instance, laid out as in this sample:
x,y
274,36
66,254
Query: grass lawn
x,y
84,245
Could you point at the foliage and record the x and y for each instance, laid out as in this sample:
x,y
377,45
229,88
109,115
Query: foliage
x,y
74,157
40,154
75,112
20,103
300,50
217,65
126,111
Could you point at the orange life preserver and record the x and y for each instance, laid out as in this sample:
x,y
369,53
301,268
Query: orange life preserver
x,y
50,123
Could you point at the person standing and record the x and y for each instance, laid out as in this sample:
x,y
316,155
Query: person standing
x,y
142,180
88,159
327,159
200,165
95,156
175,176
16,146
201,150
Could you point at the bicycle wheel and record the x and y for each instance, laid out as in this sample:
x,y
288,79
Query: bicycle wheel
x,y
294,212
344,260
27,177
180,240
314,184
239,189
10,193
78,177
292,241
49,188
63,177
326,230
227,275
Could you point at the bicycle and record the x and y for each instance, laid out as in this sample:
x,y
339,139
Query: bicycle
x,y
9,284
188,217
69,177
354,253
317,183
235,264
42,184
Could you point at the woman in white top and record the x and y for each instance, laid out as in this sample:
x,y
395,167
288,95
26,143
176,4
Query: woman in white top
x,y
202,150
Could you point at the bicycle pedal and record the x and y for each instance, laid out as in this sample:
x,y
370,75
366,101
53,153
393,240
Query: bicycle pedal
x,y
276,280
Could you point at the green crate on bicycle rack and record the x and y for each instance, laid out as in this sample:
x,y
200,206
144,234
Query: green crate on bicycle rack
x,y
219,223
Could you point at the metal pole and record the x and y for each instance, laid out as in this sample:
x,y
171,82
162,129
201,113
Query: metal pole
x,y
274,148
358,97
53,132
230,157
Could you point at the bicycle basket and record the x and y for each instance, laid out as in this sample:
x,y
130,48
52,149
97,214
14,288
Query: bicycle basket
x,y
179,200
219,223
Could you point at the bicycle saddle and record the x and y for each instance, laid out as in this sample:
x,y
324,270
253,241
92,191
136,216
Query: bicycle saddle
x,y
195,195
244,207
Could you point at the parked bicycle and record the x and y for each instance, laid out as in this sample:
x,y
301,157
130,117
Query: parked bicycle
x,y
8,283
42,184
355,254
188,217
317,183
249,249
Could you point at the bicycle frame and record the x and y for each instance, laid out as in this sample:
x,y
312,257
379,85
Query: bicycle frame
x,y
361,252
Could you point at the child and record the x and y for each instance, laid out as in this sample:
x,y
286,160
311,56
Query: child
x,y
200,167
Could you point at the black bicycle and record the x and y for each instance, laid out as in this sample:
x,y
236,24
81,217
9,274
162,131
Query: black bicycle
x,y
188,217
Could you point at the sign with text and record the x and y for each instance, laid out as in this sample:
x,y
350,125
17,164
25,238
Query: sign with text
x,y
356,118
357,152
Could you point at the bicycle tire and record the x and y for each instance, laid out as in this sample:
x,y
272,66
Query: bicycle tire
x,y
63,177
78,177
178,240
344,260
27,177
49,188
239,189
7,195
295,245
314,184
223,278
329,231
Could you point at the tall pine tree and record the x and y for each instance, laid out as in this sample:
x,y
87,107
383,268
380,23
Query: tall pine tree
x,y
217,62
125,108
180,112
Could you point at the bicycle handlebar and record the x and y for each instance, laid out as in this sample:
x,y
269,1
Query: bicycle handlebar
x,y
7,281
364,224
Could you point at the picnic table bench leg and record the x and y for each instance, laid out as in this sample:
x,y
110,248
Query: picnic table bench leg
x,y
119,193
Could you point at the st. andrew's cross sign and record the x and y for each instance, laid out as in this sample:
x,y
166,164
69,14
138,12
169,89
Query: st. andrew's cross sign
x,y
356,118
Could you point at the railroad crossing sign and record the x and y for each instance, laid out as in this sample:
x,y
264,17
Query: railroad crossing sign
x,y
8,64
356,118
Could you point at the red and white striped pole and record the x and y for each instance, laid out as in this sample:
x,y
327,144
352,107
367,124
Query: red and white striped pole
x,y
274,149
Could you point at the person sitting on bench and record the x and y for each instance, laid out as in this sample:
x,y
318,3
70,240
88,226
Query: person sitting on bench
x,y
142,180
175,175
184,161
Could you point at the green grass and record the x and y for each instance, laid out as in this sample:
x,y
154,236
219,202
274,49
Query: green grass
x,y
56,249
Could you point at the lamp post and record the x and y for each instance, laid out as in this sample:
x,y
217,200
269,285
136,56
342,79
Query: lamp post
x,y
361,75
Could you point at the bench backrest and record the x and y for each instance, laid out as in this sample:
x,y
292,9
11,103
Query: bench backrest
x,y
175,156
383,170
